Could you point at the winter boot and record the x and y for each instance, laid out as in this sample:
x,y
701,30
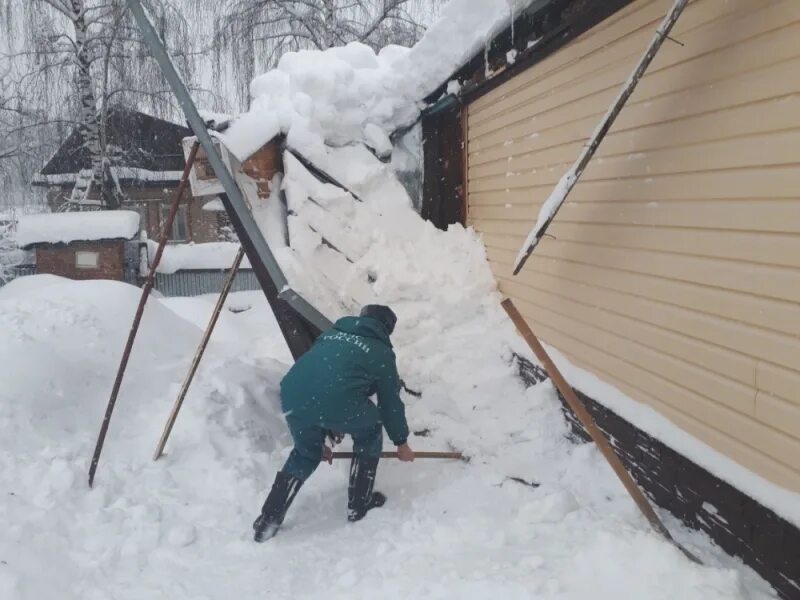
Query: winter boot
x,y
275,506
361,498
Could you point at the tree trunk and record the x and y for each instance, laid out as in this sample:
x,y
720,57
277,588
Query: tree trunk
x,y
89,126
329,24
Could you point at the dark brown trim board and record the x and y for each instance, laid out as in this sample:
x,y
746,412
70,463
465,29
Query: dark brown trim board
x,y
739,525
444,178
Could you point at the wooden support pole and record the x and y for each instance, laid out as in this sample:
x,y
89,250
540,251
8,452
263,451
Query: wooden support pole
x,y
445,455
201,348
146,288
588,422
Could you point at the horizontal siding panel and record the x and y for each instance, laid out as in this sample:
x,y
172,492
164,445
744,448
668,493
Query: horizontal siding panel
x,y
780,447
761,84
764,182
743,215
746,43
781,382
765,345
780,414
760,280
778,316
773,114
719,374
748,246
591,52
606,367
761,149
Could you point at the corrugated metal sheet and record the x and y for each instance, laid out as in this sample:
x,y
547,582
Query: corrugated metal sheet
x,y
195,283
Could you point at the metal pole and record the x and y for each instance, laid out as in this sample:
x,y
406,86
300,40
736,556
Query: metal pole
x,y
232,191
146,288
223,295
586,419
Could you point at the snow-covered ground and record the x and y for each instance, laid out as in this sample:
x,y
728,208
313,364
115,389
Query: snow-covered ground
x,y
180,528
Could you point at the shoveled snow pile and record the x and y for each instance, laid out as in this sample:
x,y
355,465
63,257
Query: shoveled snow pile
x,y
54,228
351,94
180,528
208,255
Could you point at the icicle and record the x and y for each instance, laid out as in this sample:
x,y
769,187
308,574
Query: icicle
x,y
513,18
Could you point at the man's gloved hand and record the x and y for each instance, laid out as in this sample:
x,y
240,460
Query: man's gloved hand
x,y
334,437
405,453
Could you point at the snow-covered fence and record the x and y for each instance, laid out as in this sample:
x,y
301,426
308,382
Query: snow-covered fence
x,y
204,281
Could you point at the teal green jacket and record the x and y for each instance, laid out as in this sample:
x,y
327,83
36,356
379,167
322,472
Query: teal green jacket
x,y
333,381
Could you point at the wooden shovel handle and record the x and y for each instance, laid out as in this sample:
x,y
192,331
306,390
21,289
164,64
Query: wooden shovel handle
x,y
450,455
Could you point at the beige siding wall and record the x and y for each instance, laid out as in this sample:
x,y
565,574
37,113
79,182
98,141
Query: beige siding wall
x,y
675,272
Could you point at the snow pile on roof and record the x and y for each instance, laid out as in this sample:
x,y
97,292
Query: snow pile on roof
x,y
56,228
210,255
348,94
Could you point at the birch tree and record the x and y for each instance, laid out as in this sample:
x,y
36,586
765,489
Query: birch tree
x,y
75,59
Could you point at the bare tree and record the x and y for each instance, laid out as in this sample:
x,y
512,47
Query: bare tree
x,y
75,59
254,34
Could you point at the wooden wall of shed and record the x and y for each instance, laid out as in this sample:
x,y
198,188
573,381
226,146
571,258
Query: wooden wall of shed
x,y
675,269
443,185
60,259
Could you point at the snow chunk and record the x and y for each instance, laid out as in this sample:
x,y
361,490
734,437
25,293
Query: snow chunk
x,y
211,255
63,228
214,205
550,206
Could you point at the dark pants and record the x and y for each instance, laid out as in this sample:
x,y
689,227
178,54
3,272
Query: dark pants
x,y
309,438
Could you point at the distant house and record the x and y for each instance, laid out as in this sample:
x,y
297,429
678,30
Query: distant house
x,y
82,245
147,162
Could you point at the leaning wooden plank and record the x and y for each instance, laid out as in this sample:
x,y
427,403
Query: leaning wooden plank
x,y
594,432
137,318
570,178
223,295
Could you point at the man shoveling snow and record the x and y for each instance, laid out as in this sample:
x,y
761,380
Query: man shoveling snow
x,y
329,389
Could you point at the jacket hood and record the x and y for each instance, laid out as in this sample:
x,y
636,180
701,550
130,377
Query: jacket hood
x,y
364,327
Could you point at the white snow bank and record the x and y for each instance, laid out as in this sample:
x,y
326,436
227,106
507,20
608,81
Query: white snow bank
x,y
22,285
169,529
350,94
54,228
210,255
